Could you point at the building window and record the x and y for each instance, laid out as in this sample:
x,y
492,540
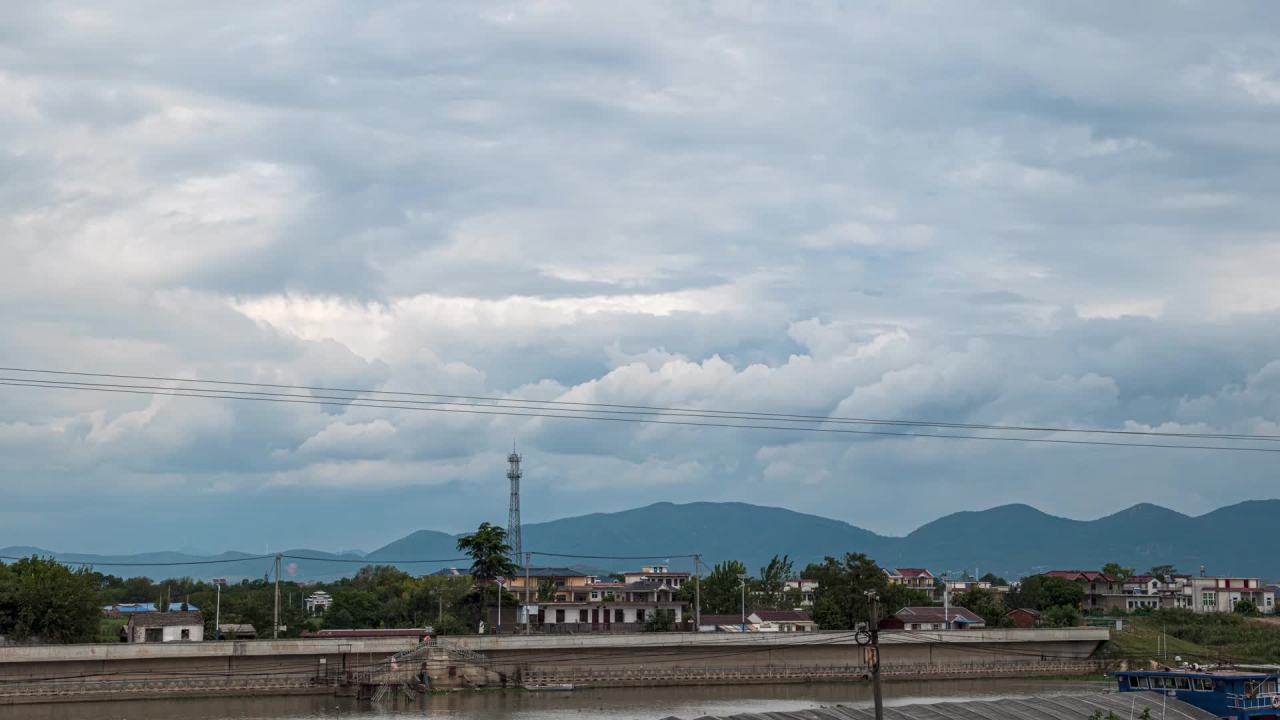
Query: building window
x,y
560,616
154,635
617,616
640,615
186,634
582,616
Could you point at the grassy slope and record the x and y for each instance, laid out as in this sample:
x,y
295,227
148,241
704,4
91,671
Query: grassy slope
x,y
1204,638
1140,640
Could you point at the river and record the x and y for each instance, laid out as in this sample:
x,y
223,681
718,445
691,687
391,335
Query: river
x,y
611,703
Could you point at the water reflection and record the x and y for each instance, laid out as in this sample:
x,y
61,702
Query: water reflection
x,y
613,704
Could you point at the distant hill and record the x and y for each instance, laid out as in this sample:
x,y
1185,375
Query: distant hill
x,y
1010,540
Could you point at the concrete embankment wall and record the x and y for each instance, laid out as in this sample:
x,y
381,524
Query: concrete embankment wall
x,y
755,649
88,672
674,658
85,672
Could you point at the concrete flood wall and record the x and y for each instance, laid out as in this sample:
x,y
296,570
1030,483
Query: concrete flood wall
x,y
89,672
85,672
705,658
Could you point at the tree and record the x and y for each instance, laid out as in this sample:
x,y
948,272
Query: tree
x,y
661,621
490,555
772,586
547,590
1040,592
993,579
841,602
983,602
1247,608
1163,571
42,598
722,588
894,597
1060,616
1114,570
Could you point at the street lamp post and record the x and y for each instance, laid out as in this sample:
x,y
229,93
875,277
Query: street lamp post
x,y
743,579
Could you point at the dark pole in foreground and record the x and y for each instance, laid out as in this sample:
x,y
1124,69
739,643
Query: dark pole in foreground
x,y
874,614
697,592
275,629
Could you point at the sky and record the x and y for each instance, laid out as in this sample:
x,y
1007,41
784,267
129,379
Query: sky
x,y
987,212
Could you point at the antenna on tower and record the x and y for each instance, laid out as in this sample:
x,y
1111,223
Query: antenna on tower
x,y
513,512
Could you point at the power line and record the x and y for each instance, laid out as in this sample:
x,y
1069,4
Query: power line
x,y
267,397
397,396
151,564
609,557
371,561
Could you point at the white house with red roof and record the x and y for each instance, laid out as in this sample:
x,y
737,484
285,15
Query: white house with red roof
x,y
914,578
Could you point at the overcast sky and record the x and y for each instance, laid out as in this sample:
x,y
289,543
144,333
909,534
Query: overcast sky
x,y
1057,213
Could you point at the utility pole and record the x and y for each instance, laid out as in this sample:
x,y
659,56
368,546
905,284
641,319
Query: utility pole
x,y
697,592
275,629
217,608
526,593
873,602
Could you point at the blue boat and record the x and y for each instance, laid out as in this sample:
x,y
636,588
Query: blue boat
x,y
1227,693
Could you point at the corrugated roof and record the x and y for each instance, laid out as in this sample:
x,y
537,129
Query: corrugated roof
x,y
1051,707
166,619
931,614
783,615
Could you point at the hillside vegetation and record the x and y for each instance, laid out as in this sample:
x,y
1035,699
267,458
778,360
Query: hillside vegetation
x,y
1208,638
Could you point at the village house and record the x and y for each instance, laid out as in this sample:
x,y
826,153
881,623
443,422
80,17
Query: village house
x,y
806,589
157,627
956,587
914,578
760,621
1221,594
1097,586
657,572
932,618
583,603
565,583
1023,617
1202,594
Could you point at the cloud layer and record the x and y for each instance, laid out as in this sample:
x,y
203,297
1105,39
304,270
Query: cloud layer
x,y
973,212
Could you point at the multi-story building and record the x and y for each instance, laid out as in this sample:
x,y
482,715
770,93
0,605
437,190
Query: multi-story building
x,y
1097,586
914,578
659,573
1146,592
583,603
956,587
1221,594
807,589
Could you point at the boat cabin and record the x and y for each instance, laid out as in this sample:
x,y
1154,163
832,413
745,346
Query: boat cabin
x,y
1231,694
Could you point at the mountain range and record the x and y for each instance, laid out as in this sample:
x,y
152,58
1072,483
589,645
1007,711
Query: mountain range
x,y
1009,540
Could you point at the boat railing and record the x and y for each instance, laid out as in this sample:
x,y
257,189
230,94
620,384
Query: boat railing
x,y
1243,701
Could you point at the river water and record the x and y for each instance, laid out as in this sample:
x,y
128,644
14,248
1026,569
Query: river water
x,y
609,703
